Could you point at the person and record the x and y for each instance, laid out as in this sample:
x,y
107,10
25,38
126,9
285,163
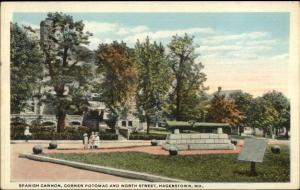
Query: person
x,y
27,133
92,140
97,140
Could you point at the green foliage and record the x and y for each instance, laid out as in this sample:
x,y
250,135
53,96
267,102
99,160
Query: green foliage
x,y
147,136
66,63
197,168
282,105
187,100
155,79
48,133
26,59
271,111
244,103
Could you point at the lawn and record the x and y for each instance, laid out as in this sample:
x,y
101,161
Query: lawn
x,y
200,168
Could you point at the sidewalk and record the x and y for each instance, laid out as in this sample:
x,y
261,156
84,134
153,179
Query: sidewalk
x,y
23,169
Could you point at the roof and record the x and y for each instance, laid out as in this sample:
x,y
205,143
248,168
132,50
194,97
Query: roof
x,y
197,124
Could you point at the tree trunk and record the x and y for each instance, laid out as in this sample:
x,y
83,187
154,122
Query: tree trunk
x,y
286,133
178,100
148,123
61,118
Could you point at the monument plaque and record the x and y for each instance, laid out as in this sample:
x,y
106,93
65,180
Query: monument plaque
x,y
253,150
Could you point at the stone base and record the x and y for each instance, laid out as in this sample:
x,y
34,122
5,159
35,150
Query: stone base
x,y
198,141
200,146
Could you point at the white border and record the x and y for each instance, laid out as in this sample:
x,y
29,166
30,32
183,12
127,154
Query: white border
x,y
7,8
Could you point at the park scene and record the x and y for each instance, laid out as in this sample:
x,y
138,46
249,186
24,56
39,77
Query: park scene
x,y
149,97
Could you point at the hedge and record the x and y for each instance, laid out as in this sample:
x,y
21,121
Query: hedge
x,y
145,136
47,133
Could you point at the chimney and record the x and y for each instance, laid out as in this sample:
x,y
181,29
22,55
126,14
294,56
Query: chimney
x,y
219,89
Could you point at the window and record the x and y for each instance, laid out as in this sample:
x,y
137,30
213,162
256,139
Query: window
x,y
123,124
130,123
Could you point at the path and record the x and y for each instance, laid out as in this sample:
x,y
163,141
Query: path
x,y
23,169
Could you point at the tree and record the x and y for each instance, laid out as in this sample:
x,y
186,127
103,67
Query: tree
x,y
265,115
119,71
224,110
66,61
282,105
245,104
26,59
155,78
189,79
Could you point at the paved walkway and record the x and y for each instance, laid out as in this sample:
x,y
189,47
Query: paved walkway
x,y
23,169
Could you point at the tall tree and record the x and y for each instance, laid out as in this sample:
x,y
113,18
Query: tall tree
x,y
66,61
189,78
282,105
26,66
245,103
154,79
117,65
265,115
224,110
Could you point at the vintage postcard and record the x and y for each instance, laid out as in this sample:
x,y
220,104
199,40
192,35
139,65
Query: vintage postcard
x,y
150,95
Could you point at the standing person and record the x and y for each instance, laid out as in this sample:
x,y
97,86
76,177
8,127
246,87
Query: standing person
x,y
92,140
27,133
97,140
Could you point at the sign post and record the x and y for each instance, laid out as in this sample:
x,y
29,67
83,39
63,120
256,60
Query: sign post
x,y
253,151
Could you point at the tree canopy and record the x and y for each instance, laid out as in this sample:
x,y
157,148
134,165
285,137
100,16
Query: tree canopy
x,y
155,78
26,59
188,87
66,61
224,110
119,71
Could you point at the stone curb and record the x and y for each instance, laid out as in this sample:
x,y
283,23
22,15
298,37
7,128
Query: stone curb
x,y
102,169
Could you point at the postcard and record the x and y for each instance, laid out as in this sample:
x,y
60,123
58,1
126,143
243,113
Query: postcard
x,y
150,95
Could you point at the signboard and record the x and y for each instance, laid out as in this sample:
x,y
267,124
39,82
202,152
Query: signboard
x,y
253,150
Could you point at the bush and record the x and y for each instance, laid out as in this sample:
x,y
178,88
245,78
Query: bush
x,y
145,136
108,136
47,133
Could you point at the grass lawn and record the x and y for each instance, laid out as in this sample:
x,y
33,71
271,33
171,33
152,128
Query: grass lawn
x,y
200,168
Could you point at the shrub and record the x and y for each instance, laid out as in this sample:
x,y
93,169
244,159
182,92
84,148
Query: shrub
x,y
145,136
108,136
48,133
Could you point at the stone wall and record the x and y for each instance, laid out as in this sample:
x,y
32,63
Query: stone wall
x,y
198,141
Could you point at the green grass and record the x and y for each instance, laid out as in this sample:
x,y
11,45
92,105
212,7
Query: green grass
x,y
201,168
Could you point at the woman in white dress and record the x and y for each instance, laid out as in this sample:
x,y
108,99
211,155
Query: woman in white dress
x,y
97,140
91,140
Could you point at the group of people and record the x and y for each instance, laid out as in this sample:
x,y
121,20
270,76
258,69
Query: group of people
x,y
94,140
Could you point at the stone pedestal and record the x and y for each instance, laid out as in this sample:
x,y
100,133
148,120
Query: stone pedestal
x,y
219,130
176,131
198,141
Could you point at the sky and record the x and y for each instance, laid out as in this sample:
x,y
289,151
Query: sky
x,y
239,51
